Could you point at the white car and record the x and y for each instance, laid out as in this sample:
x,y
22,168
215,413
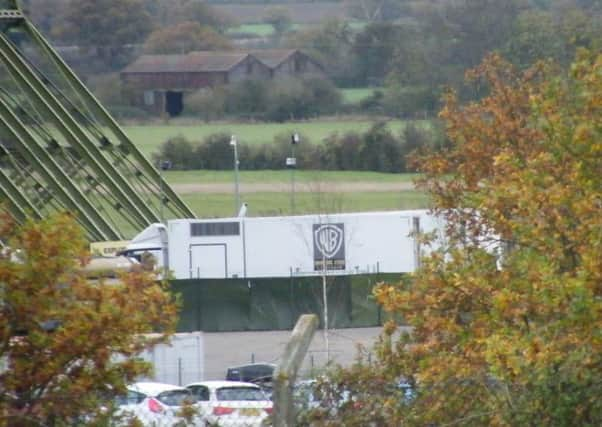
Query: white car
x,y
231,403
153,404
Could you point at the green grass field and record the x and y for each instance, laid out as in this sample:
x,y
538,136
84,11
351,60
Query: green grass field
x,y
271,204
355,95
276,176
212,204
148,138
258,30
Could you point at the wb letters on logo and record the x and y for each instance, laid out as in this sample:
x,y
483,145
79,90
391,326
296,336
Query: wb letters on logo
x,y
329,246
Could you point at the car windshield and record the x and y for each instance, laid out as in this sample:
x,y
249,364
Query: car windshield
x,y
240,393
175,397
130,398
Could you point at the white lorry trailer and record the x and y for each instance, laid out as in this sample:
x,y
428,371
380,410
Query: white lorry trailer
x,y
305,245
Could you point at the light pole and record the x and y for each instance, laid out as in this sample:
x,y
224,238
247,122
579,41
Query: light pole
x,y
163,166
291,163
234,144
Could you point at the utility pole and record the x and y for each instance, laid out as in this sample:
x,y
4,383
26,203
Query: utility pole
x,y
291,163
234,145
325,300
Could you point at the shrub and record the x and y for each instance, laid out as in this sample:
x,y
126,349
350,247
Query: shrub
x,y
247,97
278,100
179,151
412,138
373,103
343,153
206,104
380,150
375,150
293,99
410,102
324,97
215,152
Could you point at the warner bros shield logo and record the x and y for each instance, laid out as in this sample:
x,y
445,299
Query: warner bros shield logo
x,y
329,246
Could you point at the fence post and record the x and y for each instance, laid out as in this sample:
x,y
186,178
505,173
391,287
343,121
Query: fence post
x,y
286,371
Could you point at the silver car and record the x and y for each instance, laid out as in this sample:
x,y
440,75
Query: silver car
x,y
231,403
153,404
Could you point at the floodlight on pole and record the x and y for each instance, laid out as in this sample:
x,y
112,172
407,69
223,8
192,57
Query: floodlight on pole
x,y
291,163
234,144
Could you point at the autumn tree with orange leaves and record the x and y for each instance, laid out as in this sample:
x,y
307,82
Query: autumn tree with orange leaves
x,y
506,319
67,344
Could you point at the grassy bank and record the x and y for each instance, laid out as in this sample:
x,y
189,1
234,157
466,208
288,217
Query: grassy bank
x,y
271,204
283,176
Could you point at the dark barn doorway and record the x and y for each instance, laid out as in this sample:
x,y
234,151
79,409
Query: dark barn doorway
x,y
173,103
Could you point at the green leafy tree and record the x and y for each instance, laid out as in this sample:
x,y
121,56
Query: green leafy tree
x,y
373,49
104,25
330,44
173,12
472,28
376,10
553,34
183,38
380,150
204,14
536,36
508,338
67,344
580,28
278,18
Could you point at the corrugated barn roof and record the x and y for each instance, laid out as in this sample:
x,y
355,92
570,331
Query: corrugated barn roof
x,y
191,62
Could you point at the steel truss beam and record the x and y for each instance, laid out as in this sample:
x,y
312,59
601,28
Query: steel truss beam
x,y
77,155
126,146
53,176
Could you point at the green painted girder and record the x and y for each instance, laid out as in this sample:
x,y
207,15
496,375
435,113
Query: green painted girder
x,y
47,104
28,183
126,146
18,205
67,192
70,165
17,193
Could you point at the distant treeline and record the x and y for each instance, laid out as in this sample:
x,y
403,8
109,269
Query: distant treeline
x,y
279,101
413,50
378,149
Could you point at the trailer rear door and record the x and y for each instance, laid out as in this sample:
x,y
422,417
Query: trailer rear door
x,y
208,261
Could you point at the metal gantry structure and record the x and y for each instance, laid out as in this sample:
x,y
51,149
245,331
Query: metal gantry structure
x,y
60,150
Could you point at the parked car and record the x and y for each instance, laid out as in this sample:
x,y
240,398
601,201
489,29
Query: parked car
x,y
231,403
153,404
261,374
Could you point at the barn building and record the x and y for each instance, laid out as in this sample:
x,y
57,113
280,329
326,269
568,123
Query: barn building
x,y
158,83
285,63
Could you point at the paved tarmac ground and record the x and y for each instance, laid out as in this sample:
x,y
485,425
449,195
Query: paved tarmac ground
x,y
225,349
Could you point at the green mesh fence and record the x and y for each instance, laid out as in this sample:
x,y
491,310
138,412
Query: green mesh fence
x,y
276,303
